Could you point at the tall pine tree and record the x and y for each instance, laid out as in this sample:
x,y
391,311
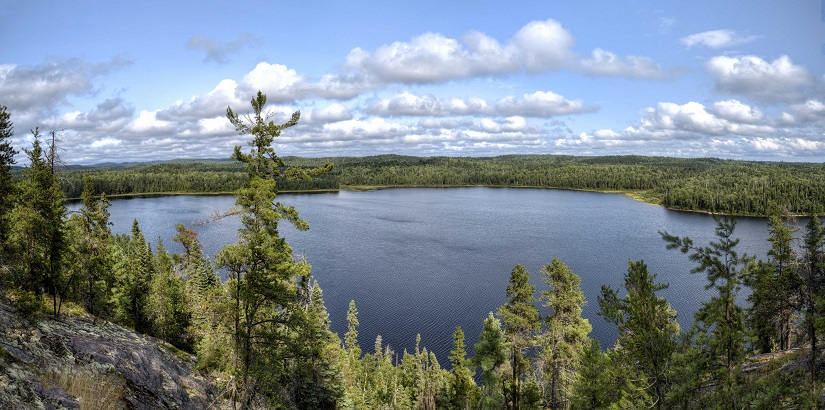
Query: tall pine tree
x,y
7,186
263,273
719,322
647,328
520,322
565,339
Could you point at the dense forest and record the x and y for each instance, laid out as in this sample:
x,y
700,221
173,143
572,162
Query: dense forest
x,y
263,335
702,184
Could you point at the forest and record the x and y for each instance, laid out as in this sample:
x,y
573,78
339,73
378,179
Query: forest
x,y
264,334
700,184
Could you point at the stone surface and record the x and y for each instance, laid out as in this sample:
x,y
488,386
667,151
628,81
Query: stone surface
x,y
43,363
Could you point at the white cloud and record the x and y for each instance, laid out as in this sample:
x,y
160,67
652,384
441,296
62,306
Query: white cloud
x,y
735,111
105,142
692,120
606,63
751,76
802,113
333,113
539,46
277,81
717,39
538,104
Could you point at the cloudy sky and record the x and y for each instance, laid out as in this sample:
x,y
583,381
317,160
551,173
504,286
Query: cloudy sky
x,y
151,80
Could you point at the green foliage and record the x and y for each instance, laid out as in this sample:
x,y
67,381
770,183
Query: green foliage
x,y
7,189
647,331
812,278
520,321
134,270
167,304
490,357
463,391
720,326
703,184
37,234
566,336
268,285
91,241
605,382
27,303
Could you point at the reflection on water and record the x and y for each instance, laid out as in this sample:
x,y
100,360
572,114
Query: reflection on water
x,y
424,260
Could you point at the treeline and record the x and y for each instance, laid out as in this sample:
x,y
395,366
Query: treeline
x,y
710,185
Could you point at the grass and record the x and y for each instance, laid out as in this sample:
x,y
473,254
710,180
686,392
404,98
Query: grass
x,y
93,388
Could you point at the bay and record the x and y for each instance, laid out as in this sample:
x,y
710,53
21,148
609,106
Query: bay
x,y
425,260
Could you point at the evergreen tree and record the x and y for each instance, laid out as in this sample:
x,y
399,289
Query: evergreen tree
x,y
168,308
38,232
605,382
134,270
7,186
92,239
462,387
351,337
775,286
566,335
196,268
720,321
812,274
520,321
315,381
263,272
647,329
490,356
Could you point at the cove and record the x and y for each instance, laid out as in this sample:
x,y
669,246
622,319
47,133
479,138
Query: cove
x,y
425,260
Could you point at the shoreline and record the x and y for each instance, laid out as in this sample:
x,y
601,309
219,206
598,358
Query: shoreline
x,y
635,195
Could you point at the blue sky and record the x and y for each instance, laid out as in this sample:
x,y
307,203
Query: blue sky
x,y
151,80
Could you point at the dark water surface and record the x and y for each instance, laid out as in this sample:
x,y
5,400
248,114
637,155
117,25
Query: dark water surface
x,y
422,260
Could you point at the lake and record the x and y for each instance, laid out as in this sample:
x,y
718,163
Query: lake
x,y
424,260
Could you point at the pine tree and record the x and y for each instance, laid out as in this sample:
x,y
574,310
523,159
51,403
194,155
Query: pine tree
x,y
812,274
351,337
520,321
775,286
566,337
647,329
490,356
167,306
134,271
719,322
262,271
196,268
7,188
462,387
38,230
92,239
316,380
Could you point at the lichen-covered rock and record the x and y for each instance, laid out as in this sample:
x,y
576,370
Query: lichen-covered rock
x,y
71,363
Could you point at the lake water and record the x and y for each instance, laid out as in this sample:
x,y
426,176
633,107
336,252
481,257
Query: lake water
x,y
424,260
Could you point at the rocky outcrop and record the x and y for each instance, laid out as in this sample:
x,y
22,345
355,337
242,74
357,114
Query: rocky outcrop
x,y
74,362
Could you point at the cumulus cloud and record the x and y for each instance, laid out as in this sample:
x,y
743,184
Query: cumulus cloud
x,y
751,76
50,84
538,104
333,113
219,51
693,120
803,113
736,112
717,39
539,46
